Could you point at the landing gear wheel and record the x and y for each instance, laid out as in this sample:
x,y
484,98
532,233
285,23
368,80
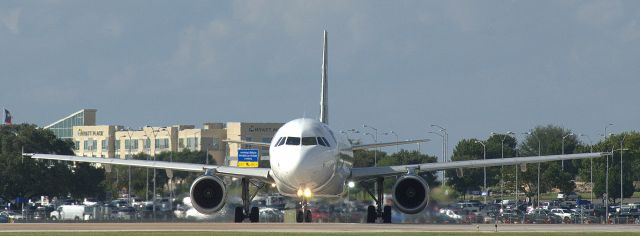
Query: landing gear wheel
x,y
239,215
307,216
371,214
254,216
299,216
386,214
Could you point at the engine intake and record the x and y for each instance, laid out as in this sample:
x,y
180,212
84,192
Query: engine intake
x,y
411,194
208,194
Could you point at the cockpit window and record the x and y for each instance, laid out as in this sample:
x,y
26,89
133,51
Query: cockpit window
x,y
309,141
326,142
280,141
321,142
293,141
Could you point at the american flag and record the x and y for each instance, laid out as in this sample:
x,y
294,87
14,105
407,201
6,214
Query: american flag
x,y
7,117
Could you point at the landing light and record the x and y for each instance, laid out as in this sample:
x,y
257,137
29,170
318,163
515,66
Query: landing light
x,y
307,192
351,184
300,192
273,185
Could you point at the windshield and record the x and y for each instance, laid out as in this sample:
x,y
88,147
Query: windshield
x,y
293,141
309,141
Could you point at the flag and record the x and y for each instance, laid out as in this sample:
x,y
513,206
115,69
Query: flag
x,y
7,117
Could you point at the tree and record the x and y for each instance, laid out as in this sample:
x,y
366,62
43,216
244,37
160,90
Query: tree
x,y
630,161
26,177
552,174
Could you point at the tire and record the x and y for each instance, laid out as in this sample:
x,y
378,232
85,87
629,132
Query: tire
x,y
386,215
299,216
307,216
371,214
76,218
239,215
54,218
254,216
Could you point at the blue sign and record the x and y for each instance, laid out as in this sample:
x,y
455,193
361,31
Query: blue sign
x,y
248,155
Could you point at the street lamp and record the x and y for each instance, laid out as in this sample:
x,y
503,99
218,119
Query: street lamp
x,y
504,137
375,139
564,137
591,162
606,180
443,153
154,132
484,154
446,147
539,153
621,149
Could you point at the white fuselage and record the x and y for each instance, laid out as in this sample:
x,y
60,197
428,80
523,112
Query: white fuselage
x,y
306,154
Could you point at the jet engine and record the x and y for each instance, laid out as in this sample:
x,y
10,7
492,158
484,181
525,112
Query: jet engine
x,y
208,194
410,194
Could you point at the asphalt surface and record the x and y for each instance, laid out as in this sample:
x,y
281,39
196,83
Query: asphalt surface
x,y
312,227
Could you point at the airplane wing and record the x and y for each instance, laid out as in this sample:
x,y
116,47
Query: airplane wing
x,y
260,173
247,142
377,145
372,172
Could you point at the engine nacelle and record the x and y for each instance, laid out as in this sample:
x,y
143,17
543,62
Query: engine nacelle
x,y
411,194
208,194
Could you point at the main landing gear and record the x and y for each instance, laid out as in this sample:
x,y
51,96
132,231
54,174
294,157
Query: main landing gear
x,y
246,211
378,212
303,214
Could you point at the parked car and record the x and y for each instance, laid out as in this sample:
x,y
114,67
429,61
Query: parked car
x,y
564,213
68,212
4,217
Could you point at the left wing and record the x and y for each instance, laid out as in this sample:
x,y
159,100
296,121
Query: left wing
x,y
261,173
371,172
377,145
247,142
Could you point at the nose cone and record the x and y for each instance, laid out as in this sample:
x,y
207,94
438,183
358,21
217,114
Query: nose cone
x,y
310,168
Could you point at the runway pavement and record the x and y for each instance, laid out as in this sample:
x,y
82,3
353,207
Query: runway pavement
x,y
312,227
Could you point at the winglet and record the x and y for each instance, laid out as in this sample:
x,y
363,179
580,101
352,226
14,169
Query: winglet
x,y
324,96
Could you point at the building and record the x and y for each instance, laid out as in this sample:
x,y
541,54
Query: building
x,y
63,128
114,141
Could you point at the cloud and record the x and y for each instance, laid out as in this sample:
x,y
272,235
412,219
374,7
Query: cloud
x,y
11,19
600,13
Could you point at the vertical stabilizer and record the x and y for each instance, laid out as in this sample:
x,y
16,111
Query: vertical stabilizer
x,y
324,103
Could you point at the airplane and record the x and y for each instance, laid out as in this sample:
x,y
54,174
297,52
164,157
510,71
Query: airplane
x,y
308,159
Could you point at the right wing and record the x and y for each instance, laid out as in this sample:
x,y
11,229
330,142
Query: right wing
x,y
261,173
377,145
372,172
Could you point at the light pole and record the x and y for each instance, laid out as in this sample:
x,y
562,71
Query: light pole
x,y
375,151
129,134
621,150
564,137
346,133
446,151
484,154
504,137
591,163
539,153
443,153
155,134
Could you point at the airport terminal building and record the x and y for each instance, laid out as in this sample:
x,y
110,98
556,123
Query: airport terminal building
x,y
115,141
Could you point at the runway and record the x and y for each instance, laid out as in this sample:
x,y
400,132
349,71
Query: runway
x,y
297,228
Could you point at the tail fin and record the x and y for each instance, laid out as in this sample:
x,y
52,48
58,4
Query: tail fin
x,y
324,97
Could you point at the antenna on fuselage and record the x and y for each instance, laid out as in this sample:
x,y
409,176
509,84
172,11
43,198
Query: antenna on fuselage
x,y
324,104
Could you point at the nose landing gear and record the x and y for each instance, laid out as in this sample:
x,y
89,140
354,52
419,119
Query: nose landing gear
x,y
246,211
303,214
378,212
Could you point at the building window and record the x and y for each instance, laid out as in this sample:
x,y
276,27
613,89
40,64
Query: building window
x,y
181,143
162,143
215,145
117,145
76,145
147,143
105,144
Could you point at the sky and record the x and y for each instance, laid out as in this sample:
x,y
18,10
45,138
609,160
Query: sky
x,y
473,67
